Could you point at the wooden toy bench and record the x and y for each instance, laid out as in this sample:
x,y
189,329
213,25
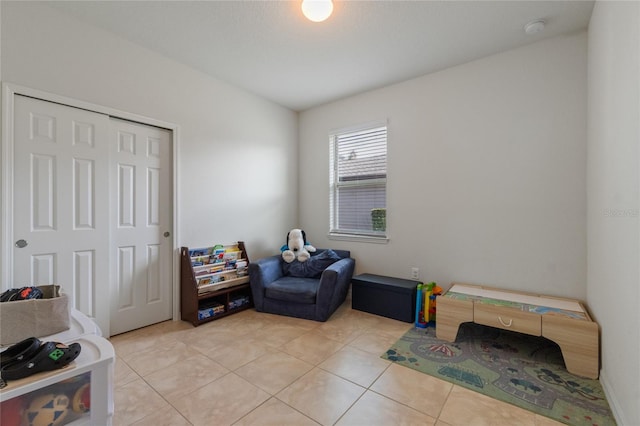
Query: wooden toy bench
x,y
564,321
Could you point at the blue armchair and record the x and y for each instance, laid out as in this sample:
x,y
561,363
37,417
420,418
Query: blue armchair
x,y
313,298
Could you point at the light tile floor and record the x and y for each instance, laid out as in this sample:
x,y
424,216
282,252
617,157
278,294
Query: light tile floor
x,y
253,368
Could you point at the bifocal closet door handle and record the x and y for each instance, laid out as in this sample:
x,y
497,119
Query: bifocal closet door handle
x,y
21,244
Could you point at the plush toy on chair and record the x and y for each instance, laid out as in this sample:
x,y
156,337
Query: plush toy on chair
x,y
297,247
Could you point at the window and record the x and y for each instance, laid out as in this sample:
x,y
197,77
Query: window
x,y
358,180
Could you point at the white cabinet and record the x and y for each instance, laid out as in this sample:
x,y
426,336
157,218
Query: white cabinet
x,y
81,393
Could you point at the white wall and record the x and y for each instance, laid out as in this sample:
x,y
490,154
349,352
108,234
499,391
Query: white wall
x,y
486,171
238,152
613,208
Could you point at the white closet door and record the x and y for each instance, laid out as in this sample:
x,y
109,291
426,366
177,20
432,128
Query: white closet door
x,y
92,212
60,202
141,254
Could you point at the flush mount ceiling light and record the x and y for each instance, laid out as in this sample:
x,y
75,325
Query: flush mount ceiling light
x,y
534,27
317,10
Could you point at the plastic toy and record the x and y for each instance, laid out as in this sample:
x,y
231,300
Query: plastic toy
x,y
81,402
426,304
11,411
420,320
47,410
418,295
435,291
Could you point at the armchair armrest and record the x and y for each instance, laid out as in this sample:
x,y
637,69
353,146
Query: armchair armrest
x,y
261,273
334,286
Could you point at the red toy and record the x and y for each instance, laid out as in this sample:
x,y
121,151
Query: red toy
x,y
11,411
81,402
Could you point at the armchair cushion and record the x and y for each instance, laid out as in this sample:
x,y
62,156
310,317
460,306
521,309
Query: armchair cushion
x,y
293,289
313,267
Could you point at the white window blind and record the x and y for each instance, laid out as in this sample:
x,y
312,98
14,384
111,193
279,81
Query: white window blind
x,y
359,181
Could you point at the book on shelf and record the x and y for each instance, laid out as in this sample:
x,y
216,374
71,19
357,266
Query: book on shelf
x,y
207,279
239,300
210,309
218,267
229,282
215,254
223,275
208,269
200,252
241,268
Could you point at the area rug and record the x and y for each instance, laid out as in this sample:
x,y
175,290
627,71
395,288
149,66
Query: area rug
x,y
522,370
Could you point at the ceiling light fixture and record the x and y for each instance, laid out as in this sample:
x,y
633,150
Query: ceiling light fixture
x,y
534,27
317,10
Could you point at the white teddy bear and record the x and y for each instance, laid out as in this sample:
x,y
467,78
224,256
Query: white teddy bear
x,y
297,247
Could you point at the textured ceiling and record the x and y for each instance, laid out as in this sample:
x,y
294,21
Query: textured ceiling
x,y
270,49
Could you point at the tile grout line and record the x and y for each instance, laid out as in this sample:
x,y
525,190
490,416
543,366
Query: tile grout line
x,y
314,365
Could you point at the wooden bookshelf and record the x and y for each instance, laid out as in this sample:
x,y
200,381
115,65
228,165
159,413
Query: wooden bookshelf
x,y
214,282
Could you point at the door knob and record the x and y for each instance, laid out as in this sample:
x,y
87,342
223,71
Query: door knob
x,y
166,234
21,243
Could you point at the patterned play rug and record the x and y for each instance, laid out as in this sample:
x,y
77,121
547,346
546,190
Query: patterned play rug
x,y
515,368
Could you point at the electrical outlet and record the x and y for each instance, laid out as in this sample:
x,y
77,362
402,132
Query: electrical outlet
x,y
415,273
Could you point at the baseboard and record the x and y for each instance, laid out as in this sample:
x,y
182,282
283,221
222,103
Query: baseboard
x,y
613,401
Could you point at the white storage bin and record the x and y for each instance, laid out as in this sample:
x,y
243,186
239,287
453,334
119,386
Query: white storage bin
x,y
79,325
94,365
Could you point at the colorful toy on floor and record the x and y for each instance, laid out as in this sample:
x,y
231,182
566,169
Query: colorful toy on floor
x,y
426,304
420,320
435,291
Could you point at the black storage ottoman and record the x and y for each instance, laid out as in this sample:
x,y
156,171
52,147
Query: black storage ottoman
x,y
387,296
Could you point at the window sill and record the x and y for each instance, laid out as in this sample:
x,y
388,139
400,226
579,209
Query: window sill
x,y
358,238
